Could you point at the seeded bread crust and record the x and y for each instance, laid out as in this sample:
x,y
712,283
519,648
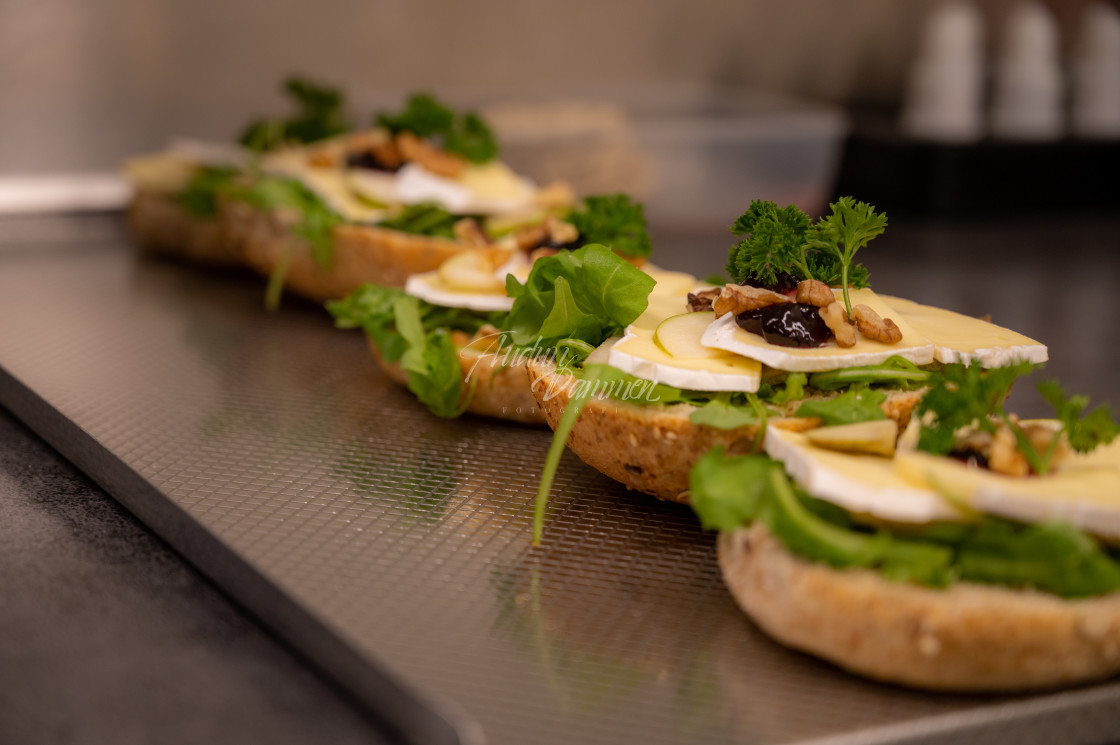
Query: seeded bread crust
x,y
649,448
501,391
164,228
967,638
360,254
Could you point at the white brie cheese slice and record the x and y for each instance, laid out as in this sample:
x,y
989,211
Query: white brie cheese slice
x,y
430,288
489,189
637,354
960,338
1085,495
862,484
725,334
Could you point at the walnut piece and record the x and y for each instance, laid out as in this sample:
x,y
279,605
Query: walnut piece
x,y
874,327
560,231
702,301
529,237
837,321
469,232
1004,457
379,145
738,298
439,162
815,292
555,194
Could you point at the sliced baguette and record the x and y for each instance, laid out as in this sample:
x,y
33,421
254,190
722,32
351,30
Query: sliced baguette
x,y
652,448
164,228
359,253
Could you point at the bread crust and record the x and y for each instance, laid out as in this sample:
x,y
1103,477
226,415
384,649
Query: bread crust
x,y
360,254
164,228
649,448
967,638
501,391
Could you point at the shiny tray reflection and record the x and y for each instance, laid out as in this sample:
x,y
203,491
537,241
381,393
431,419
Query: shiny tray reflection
x,y
393,547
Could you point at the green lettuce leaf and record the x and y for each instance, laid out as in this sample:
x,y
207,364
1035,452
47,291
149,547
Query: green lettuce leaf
x,y
431,361
599,295
857,405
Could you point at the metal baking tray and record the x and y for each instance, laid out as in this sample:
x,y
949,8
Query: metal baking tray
x,y
393,548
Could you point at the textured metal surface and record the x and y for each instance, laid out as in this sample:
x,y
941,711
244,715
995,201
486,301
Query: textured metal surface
x,y
394,547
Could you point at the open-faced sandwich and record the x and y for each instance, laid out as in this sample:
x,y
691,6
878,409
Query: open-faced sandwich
x,y
798,339
321,210
460,337
977,556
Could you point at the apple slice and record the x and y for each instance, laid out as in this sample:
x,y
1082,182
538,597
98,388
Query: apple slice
x,y
679,336
876,437
470,271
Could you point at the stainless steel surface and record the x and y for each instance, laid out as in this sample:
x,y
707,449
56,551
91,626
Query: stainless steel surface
x,y
393,547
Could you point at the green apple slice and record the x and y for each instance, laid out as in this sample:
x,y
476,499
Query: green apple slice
x,y
679,336
876,437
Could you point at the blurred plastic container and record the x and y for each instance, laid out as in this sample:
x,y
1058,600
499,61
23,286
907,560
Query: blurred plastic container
x,y
696,158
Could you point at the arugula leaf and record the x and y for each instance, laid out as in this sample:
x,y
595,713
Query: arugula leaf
x,y
371,308
846,230
791,389
729,492
857,405
600,295
318,116
961,396
431,361
423,219
721,413
467,135
614,221
200,197
896,371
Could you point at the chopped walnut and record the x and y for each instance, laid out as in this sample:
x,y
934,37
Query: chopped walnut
x,y
1004,456
380,147
531,236
739,298
439,162
540,253
468,231
554,194
874,327
322,159
837,321
560,231
701,301
815,292
1041,437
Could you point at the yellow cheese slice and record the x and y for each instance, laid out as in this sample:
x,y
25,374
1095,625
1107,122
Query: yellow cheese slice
x,y
1087,497
960,338
725,334
430,288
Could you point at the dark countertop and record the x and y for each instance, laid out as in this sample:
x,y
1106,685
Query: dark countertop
x,y
111,637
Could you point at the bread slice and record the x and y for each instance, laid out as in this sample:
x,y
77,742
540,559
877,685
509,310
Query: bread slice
x,y
359,254
501,390
165,228
652,448
966,638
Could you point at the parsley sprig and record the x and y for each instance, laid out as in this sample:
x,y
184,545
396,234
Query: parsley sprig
x,y
467,135
614,221
963,396
319,114
777,240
